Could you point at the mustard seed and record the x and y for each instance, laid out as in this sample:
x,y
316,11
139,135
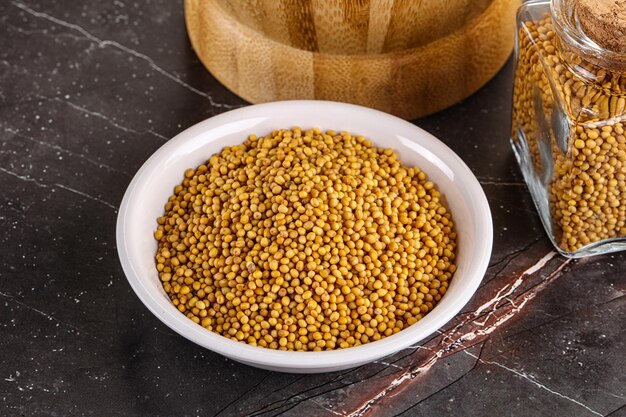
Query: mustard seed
x,y
305,240
580,153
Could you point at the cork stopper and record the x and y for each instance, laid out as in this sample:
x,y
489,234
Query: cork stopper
x,y
604,21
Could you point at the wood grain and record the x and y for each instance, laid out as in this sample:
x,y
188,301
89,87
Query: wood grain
x,y
294,62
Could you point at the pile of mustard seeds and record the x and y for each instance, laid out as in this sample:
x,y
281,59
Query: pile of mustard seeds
x,y
587,188
306,241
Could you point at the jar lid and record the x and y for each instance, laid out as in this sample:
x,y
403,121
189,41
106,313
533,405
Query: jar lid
x,y
604,21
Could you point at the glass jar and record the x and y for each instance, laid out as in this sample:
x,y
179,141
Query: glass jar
x,y
568,128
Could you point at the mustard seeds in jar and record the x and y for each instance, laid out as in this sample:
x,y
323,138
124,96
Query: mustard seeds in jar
x,y
569,114
305,241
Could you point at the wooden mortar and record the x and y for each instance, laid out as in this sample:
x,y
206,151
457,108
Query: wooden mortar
x,y
406,57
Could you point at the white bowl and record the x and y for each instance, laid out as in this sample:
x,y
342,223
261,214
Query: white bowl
x,y
153,184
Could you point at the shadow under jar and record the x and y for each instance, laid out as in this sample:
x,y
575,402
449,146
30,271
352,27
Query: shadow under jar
x,y
569,120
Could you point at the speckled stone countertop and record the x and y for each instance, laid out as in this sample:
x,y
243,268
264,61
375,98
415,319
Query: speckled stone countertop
x,y
88,90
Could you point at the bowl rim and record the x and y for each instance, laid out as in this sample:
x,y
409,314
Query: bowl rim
x,y
259,356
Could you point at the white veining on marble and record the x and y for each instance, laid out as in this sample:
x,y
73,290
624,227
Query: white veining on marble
x,y
610,394
477,329
104,43
408,375
43,32
65,187
109,120
67,152
24,178
393,365
509,288
484,330
533,381
57,185
48,316
326,408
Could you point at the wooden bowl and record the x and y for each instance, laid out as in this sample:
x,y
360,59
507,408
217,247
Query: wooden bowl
x,y
408,58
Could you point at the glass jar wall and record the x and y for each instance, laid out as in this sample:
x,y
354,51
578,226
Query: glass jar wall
x,y
568,130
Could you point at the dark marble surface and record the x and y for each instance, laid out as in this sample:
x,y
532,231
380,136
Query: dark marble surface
x,y
88,90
